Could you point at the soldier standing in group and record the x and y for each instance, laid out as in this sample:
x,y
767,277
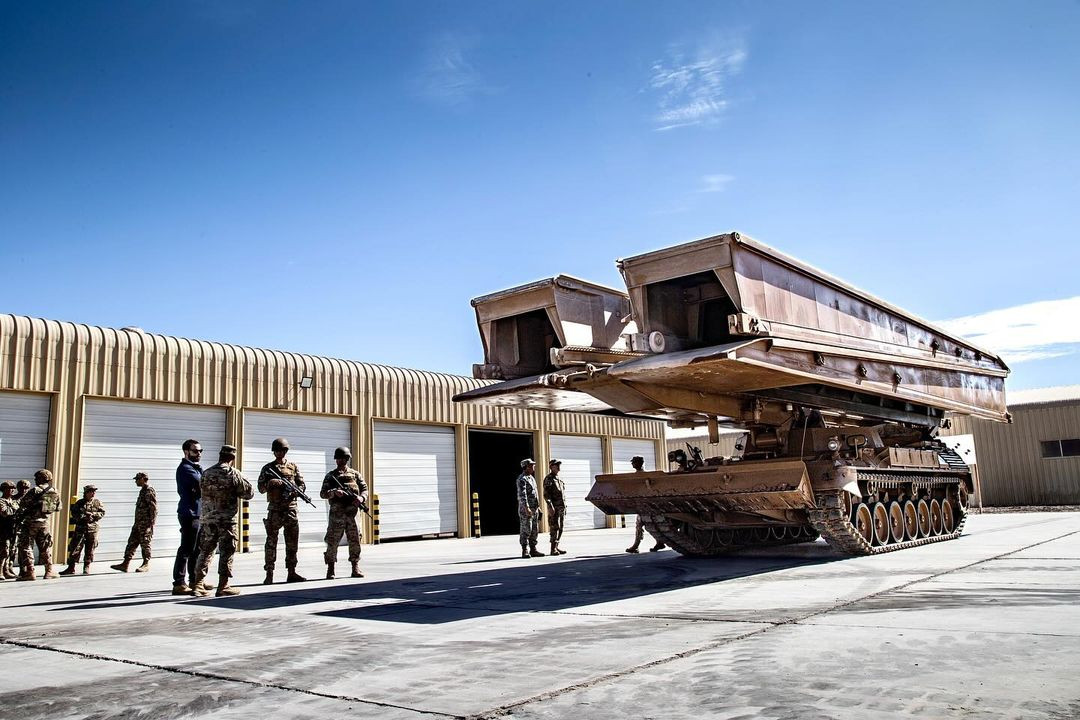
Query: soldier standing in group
x,y
35,506
21,488
221,487
528,509
188,474
555,497
281,510
638,463
346,491
87,513
142,531
8,509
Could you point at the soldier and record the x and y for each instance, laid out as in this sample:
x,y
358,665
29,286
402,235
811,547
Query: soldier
x,y
638,463
21,489
188,474
142,531
346,491
281,510
35,506
8,508
220,488
528,509
86,513
555,497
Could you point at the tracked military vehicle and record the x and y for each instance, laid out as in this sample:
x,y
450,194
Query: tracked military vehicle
x,y
841,395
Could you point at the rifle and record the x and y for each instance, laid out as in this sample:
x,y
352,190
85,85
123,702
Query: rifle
x,y
291,487
356,499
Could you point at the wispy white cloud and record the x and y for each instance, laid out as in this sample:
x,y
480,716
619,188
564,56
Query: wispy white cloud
x,y
447,75
715,183
692,88
1034,331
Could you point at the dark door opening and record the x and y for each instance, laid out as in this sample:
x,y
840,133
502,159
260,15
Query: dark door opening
x,y
494,462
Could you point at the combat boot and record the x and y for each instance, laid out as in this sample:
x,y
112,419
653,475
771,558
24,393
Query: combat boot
x,y
26,574
181,589
224,589
269,579
329,571
122,566
533,552
356,569
50,574
86,569
293,576
144,567
9,574
198,590
557,551
524,552
70,570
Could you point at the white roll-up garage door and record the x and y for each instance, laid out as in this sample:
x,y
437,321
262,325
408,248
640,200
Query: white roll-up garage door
x,y
582,460
312,439
24,435
622,450
416,479
123,438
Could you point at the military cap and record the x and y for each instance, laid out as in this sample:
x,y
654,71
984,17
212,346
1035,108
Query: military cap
x,y
554,461
89,488
228,450
43,475
342,452
141,475
527,461
23,484
7,484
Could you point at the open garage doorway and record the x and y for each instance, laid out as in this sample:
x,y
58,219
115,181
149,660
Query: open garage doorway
x,y
494,463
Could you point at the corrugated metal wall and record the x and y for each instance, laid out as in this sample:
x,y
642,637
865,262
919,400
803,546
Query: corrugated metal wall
x,y
1012,470
72,362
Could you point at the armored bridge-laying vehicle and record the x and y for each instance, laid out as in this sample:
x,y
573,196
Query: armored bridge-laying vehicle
x,y
840,394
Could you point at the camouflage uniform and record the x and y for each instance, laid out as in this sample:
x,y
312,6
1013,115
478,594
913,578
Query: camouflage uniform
x,y
36,506
281,511
342,513
8,508
528,525
21,488
87,514
142,531
221,486
555,497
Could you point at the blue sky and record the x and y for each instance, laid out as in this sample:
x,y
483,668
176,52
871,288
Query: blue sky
x,y
340,178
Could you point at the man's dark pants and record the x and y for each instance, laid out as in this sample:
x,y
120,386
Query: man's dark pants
x,y
188,553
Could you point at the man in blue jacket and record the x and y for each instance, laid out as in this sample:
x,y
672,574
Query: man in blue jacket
x,y
188,475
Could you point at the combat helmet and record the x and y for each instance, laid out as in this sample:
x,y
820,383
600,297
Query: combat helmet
x,y
279,444
342,452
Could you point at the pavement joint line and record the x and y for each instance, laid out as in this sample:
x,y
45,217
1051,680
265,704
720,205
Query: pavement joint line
x,y
937,629
224,678
503,710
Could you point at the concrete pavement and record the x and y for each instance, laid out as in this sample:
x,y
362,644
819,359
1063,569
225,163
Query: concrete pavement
x,y
987,626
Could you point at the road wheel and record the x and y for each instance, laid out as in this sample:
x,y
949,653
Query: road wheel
x,y
881,524
936,522
863,521
911,520
948,518
923,509
896,521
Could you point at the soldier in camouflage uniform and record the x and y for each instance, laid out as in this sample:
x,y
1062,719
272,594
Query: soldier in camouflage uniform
x,y
86,513
142,531
638,463
281,510
220,487
8,508
555,497
346,491
528,509
21,488
35,506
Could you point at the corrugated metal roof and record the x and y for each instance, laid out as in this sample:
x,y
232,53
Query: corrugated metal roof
x,y
1043,396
